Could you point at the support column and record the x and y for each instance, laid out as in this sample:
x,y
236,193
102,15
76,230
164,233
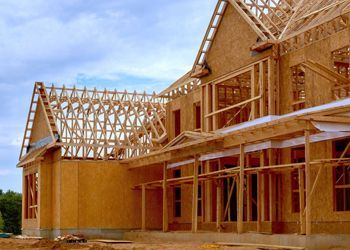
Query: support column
x,y
308,182
218,201
208,195
143,208
272,188
240,191
195,196
260,193
165,198
249,192
301,200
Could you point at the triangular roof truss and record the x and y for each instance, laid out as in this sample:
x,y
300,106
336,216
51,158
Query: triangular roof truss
x,y
100,124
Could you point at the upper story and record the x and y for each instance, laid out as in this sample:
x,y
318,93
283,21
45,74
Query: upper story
x,y
257,61
263,59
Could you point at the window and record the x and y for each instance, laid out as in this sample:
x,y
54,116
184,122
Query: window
x,y
298,86
31,196
197,115
177,122
177,195
341,64
231,92
298,156
341,178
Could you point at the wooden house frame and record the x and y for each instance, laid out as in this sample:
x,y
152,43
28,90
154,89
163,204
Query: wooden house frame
x,y
255,137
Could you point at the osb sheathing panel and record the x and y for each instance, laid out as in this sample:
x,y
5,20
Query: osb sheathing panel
x,y
230,49
40,129
318,89
56,199
45,190
185,105
100,195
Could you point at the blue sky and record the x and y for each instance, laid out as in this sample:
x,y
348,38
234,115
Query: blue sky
x,y
134,45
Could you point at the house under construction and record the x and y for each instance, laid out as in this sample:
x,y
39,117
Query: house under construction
x,y
255,137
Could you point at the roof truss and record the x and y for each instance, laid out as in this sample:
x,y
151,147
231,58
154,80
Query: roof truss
x,y
101,124
273,20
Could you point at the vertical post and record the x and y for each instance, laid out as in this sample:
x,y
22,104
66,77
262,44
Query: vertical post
x,y
261,192
165,198
208,195
272,185
214,106
240,191
308,182
24,194
195,195
301,200
143,207
262,88
249,192
218,201
207,110
253,83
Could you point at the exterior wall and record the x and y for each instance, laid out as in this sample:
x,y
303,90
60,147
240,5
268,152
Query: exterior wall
x,y
40,129
324,218
318,89
89,196
231,46
185,105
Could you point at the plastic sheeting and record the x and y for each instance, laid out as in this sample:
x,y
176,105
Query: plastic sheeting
x,y
294,142
331,126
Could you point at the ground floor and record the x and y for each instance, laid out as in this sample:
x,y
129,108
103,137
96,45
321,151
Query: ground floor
x,y
185,240
274,175
302,189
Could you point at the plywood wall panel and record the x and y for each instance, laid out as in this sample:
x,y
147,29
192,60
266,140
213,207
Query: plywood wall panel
x,y
40,129
230,49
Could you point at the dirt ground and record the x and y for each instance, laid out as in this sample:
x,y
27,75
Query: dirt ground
x,y
10,244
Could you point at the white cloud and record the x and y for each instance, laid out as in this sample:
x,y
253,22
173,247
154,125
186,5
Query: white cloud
x,y
7,172
134,44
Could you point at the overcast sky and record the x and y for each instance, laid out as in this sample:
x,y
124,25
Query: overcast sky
x,y
124,44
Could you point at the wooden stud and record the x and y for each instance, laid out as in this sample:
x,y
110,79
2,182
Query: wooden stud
x,y
208,195
195,195
219,200
301,200
165,198
240,191
308,183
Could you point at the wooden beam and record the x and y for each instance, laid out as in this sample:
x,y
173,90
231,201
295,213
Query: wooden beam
x,y
332,119
218,200
301,200
240,191
272,186
195,195
233,106
308,182
208,195
165,198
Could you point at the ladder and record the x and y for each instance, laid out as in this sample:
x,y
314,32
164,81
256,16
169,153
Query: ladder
x,y
29,125
210,33
39,92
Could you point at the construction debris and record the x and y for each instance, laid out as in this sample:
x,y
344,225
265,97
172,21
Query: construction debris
x,y
71,238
